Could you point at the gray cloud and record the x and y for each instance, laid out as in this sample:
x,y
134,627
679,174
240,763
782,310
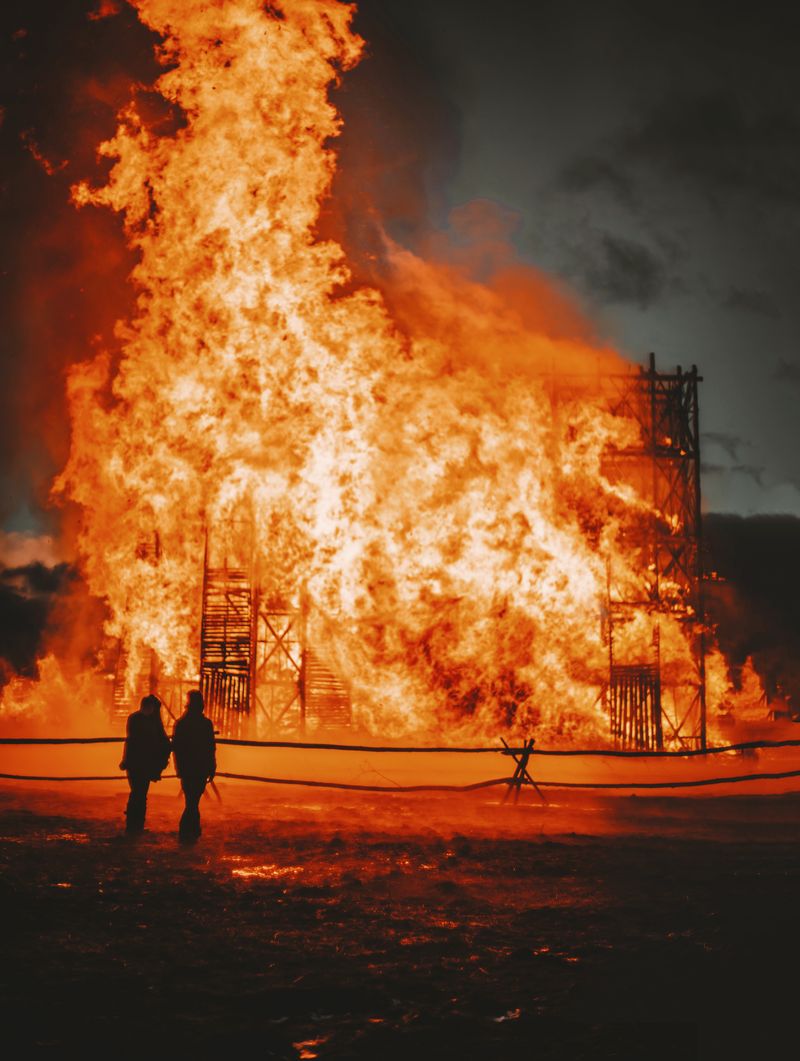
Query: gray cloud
x,y
750,300
750,471
787,371
591,172
721,143
731,444
615,270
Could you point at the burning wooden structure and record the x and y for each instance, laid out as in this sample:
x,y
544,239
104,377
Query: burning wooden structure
x,y
666,467
412,456
255,660
257,670
259,674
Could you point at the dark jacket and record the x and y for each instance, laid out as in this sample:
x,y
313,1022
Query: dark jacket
x,y
147,746
194,746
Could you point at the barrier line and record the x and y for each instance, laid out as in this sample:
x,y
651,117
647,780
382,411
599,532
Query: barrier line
x,y
62,740
687,753
614,753
280,781
369,788
733,780
42,777
610,753
736,779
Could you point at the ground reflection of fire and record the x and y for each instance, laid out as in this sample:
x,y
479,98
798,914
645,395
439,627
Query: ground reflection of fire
x,y
266,871
428,475
249,869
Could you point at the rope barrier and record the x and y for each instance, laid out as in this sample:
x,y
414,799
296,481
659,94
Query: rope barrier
x,y
527,751
619,753
732,780
508,780
62,740
42,777
281,781
613,753
369,788
309,745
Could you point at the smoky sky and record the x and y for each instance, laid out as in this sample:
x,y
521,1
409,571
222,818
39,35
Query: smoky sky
x,y
28,595
653,155
754,609
650,153
62,273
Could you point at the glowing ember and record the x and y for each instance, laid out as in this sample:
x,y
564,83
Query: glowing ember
x,y
425,479
305,1047
267,871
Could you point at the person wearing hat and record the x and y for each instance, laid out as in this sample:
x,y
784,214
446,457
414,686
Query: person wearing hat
x,y
146,754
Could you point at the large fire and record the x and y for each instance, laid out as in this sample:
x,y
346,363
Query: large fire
x,y
430,478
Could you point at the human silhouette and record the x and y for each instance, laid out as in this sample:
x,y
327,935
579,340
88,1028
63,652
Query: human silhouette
x,y
194,748
145,755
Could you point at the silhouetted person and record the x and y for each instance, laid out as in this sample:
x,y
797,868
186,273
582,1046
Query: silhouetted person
x,y
146,754
194,748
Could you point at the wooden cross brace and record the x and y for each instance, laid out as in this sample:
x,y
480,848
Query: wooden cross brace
x,y
521,775
279,642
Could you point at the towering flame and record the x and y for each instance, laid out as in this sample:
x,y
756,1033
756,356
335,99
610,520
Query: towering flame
x,y
419,476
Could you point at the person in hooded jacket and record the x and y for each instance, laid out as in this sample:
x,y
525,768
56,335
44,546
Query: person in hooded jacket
x,y
194,750
145,755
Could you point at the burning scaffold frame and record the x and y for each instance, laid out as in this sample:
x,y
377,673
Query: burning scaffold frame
x,y
257,669
667,459
259,674
255,659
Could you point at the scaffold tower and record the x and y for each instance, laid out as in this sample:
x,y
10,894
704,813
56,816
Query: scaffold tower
x,y
258,674
226,646
665,465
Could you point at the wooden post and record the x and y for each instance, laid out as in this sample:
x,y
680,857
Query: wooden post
x,y
521,774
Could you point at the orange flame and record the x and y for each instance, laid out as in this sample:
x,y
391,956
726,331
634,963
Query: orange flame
x,y
418,475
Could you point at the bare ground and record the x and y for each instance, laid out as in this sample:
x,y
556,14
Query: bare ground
x,y
400,927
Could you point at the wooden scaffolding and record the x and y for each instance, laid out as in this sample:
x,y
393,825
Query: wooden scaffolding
x,y
666,467
226,647
258,674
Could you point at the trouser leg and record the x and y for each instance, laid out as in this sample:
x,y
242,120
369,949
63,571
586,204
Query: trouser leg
x,y
193,789
137,802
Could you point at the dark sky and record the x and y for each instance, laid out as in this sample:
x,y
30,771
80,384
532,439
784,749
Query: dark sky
x,y
651,153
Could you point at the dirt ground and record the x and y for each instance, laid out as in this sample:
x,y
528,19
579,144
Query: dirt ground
x,y
399,927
